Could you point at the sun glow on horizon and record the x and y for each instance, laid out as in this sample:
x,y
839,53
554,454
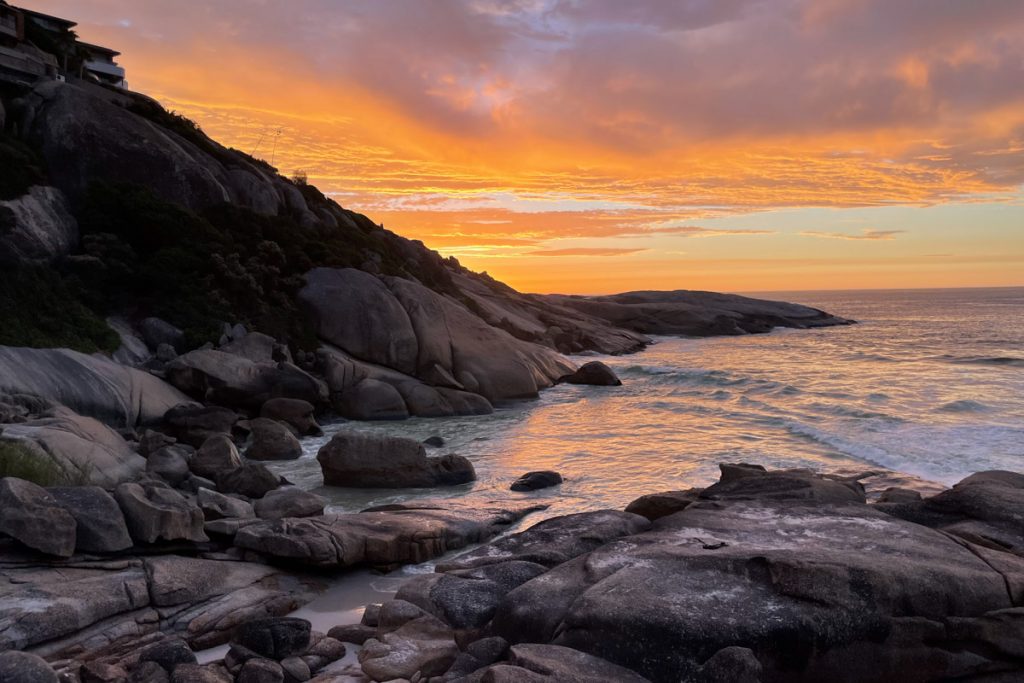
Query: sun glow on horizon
x,y
604,146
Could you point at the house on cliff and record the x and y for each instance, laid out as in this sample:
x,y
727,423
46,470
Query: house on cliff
x,y
36,46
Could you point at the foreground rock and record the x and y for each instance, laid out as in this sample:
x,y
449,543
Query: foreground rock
x,y
33,517
764,576
410,532
99,611
272,440
361,460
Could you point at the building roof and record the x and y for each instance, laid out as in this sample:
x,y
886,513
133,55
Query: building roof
x,y
67,23
98,48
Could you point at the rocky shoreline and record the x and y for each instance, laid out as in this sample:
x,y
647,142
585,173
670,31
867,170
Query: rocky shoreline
x,y
764,576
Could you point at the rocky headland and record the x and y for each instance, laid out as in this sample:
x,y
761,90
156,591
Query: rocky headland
x,y
176,314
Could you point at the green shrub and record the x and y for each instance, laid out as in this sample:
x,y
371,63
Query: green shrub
x,y
17,460
43,310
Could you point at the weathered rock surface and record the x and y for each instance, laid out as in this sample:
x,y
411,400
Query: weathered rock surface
x,y
362,460
89,385
159,513
423,645
33,517
41,227
106,611
272,440
594,373
83,448
396,534
99,525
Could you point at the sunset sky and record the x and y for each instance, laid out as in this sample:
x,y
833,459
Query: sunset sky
x,y
592,146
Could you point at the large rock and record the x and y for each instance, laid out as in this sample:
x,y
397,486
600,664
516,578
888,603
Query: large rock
x,y
594,373
397,534
817,591
657,505
355,311
220,506
742,483
532,481
83,449
356,459
156,332
170,463
371,399
294,412
272,440
159,513
986,508
99,525
33,517
90,385
425,645
554,541
563,664
406,327
23,667
194,424
217,455
252,479
275,638
42,228
289,502
227,379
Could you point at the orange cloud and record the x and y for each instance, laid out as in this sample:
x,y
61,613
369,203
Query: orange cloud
x,y
500,130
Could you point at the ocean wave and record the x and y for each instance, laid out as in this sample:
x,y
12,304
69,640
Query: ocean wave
x,y
943,454
997,361
963,406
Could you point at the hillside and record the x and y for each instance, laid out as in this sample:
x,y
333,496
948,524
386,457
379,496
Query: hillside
x,y
117,213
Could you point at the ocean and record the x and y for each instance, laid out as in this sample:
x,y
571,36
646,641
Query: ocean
x,y
929,383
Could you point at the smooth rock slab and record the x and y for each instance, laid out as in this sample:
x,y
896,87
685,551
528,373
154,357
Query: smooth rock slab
x,y
388,536
34,518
